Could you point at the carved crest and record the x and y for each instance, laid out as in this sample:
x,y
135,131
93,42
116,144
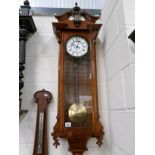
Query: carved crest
x,y
77,16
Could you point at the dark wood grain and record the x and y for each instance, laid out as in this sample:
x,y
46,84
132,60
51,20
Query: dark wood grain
x,y
26,27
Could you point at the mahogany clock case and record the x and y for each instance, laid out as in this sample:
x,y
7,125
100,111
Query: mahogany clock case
x,y
78,114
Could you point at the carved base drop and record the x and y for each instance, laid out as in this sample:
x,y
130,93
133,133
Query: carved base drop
x,y
77,145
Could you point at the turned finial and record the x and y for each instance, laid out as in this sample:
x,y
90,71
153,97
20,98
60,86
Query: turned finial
x,y
26,2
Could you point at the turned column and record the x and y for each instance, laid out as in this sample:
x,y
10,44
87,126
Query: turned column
x,y
26,26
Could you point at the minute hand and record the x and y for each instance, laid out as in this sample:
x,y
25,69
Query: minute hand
x,y
77,47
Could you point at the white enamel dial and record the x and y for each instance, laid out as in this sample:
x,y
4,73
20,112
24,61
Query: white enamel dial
x,y
77,46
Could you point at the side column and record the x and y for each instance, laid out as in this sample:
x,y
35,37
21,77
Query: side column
x,y
26,27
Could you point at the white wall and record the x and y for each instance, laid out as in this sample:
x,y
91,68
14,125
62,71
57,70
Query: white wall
x,y
118,51
41,71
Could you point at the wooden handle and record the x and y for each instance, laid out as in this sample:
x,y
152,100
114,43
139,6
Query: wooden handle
x,y
42,98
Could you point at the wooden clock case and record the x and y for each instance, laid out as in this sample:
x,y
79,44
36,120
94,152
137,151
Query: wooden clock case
x,y
65,28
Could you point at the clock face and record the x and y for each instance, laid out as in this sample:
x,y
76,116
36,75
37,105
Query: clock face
x,y
77,46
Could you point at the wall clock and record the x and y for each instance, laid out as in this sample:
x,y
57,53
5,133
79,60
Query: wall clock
x,y
78,115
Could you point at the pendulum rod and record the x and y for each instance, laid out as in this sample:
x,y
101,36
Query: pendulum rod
x,y
77,100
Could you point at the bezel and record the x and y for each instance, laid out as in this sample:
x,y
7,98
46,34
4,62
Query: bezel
x,y
78,56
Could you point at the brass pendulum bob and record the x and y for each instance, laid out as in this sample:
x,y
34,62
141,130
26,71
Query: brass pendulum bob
x,y
77,111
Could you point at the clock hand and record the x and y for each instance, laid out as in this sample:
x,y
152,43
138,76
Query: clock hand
x,y
77,45
73,44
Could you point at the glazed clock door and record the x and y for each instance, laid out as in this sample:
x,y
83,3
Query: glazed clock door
x,y
78,88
